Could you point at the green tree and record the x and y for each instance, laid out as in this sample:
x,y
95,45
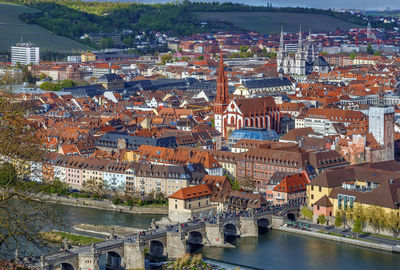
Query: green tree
x,y
369,48
353,55
392,222
166,58
105,43
8,175
321,219
201,57
307,212
338,221
357,227
376,217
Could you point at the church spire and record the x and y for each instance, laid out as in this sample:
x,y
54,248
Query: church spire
x,y
281,41
300,42
222,82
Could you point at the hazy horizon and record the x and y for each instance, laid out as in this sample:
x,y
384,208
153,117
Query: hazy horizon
x,y
338,4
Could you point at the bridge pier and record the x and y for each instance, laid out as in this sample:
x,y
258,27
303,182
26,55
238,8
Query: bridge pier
x,y
176,244
248,227
215,235
134,257
89,261
278,221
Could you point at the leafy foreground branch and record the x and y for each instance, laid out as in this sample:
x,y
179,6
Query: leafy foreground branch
x,y
22,215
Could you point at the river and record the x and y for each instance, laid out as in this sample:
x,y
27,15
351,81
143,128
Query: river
x,y
273,250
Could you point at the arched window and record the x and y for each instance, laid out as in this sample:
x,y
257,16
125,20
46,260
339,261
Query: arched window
x,y
232,120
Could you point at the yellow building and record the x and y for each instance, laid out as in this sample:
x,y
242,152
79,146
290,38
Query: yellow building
x,y
88,57
367,184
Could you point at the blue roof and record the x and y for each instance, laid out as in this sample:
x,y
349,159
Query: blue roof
x,y
254,134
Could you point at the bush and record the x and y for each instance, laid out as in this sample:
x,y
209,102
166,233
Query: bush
x,y
338,221
321,219
307,212
357,226
129,202
117,201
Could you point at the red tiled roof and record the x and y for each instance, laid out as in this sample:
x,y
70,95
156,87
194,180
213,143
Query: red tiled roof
x,y
292,183
192,192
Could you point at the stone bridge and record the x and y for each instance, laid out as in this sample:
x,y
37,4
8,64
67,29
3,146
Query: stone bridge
x,y
173,242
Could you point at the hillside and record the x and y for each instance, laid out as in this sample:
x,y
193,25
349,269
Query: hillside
x,y
12,29
269,22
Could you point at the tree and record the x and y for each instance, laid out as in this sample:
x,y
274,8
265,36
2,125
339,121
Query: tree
x,y
376,217
357,226
165,58
23,214
369,48
392,222
307,212
353,54
201,57
95,187
321,219
338,221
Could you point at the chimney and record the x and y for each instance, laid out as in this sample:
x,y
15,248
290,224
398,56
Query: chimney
x,y
109,68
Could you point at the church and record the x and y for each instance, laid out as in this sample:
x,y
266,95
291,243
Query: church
x,y
237,113
304,61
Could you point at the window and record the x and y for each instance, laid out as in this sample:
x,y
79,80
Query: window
x,y
319,189
312,196
176,206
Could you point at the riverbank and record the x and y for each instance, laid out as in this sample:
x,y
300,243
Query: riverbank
x,y
119,231
104,205
342,239
70,238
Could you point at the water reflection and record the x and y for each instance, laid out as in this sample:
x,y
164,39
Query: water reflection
x,y
279,250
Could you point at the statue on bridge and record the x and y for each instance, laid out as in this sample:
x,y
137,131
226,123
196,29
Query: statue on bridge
x,y
92,248
112,236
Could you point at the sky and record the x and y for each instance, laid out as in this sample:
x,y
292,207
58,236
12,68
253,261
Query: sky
x,y
347,4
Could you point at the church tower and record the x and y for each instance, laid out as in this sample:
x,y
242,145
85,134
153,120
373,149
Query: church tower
x,y
221,100
280,55
300,61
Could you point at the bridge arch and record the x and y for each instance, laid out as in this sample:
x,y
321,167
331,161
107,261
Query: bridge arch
x,y
66,266
113,260
291,216
230,232
195,237
156,248
194,241
263,225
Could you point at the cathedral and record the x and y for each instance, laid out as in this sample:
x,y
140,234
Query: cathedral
x,y
304,61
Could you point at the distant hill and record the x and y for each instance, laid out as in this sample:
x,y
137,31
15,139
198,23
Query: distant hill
x,y
269,22
12,29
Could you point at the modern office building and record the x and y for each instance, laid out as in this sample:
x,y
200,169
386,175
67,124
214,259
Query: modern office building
x,y
25,54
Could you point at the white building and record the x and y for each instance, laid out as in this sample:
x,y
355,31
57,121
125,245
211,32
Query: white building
x,y
25,54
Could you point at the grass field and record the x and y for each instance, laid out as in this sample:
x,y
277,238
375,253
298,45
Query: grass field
x,y
271,22
12,30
